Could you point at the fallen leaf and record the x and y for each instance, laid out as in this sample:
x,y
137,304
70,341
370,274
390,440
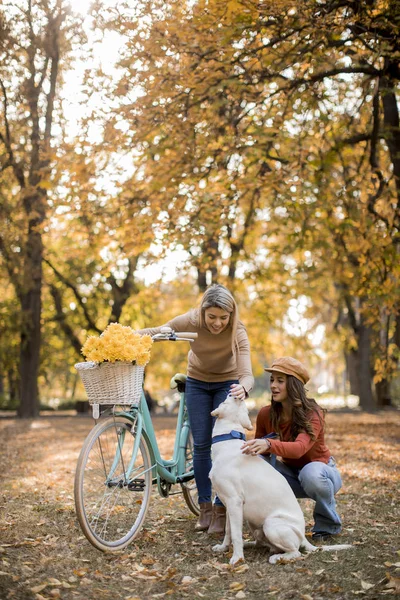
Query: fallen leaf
x,y
241,568
80,572
146,576
393,583
236,586
38,588
187,580
366,586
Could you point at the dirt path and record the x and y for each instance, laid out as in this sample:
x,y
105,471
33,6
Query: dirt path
x,y
44,554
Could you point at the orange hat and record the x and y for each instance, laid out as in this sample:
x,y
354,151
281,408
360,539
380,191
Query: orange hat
x,y
290,366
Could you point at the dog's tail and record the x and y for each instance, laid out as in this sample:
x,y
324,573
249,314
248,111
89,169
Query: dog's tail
x,y
334,547
310,548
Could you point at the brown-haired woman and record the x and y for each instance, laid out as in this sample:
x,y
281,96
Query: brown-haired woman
x,y
297,424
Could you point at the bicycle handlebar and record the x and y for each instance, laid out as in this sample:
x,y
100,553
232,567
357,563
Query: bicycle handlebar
x,y
174,336
185,334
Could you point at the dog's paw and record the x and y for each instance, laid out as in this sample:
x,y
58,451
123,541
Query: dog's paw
x,y
284,558
236,558
219,548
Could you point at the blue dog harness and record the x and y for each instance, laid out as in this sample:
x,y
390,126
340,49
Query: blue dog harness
x,y
232,435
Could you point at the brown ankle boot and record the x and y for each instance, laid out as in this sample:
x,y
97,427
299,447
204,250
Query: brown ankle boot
x,y
217,525
205,516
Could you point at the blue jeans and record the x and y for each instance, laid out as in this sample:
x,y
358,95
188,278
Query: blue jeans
x,y
320,482
201,399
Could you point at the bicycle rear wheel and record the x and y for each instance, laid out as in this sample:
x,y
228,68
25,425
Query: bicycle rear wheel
x,y
112,490
189,488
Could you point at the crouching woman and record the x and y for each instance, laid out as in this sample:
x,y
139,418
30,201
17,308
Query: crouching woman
x,y
305,461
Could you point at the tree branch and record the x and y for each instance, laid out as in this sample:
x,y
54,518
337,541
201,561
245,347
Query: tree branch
x,y
122,293
79,299
62,320
7,141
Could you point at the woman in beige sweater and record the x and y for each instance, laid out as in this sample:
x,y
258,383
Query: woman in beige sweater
x,y
218,363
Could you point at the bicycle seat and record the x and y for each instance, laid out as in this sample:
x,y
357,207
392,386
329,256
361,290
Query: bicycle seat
x,y
178,382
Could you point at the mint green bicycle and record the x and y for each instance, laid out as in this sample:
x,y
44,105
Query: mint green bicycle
x,y
119,463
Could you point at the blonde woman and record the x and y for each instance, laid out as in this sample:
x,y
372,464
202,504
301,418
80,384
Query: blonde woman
x,y
218,364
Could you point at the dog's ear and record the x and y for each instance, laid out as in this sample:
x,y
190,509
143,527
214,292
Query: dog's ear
x,y
244,418
247,423
215,412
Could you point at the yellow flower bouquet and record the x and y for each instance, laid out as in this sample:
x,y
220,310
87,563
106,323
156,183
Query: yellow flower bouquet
x,y
118,343
114,368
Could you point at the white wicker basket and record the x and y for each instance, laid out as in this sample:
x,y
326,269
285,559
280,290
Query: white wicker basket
x,y
112,383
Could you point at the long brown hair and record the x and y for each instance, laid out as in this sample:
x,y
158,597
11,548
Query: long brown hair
x,y
302,410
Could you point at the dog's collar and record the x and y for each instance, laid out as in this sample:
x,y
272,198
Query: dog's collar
x,y
232,435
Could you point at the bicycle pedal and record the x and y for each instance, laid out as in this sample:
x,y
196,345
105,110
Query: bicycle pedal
x,y
136,485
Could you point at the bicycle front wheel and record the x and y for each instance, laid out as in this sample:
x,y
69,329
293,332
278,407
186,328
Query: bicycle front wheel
x,y
112,486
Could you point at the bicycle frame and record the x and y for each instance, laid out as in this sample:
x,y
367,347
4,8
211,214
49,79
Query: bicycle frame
x,y
172,470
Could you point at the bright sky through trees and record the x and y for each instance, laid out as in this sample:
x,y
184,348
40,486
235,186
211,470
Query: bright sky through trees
x,y
106,54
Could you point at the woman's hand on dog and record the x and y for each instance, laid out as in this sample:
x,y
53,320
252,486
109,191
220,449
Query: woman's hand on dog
x,y
238,391
257,446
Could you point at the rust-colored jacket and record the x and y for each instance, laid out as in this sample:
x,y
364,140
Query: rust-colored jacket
x,y
303,449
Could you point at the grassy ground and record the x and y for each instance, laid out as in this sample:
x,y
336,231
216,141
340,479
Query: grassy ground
x,y
43,553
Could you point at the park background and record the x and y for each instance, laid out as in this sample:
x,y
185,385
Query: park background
x,y
149,148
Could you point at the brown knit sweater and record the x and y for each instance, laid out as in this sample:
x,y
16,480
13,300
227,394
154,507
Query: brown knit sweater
x,y
211,358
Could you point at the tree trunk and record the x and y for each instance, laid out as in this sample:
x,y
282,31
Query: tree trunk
x,y
391,127
383,393
31,305
351,359
30,341
12,386
364,368
201,279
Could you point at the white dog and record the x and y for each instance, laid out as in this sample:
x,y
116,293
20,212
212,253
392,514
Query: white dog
x,y
254,491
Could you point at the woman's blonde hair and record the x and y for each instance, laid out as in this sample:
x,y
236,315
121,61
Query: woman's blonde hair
x,y
218,296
